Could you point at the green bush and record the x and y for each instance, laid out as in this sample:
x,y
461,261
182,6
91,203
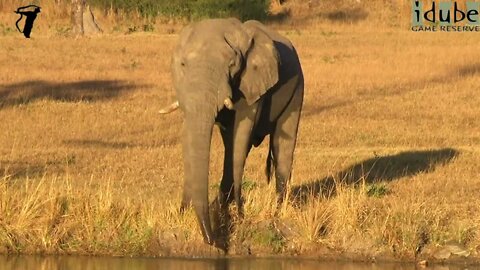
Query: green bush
x,y
191,9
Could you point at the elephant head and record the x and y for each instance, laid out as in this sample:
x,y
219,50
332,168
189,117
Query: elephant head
x,y
216,63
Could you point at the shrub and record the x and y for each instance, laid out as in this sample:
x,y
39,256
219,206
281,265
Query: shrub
x,y
191,9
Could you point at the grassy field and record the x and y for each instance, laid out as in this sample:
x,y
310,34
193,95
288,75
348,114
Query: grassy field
x,y
386,164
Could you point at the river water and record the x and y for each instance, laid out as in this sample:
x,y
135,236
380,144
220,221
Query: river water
x,y
115,263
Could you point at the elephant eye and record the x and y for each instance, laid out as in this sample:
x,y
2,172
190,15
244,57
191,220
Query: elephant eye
x,y
182,64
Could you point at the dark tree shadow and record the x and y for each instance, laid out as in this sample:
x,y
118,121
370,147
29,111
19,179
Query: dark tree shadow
x,y
34,167
342,13
347,15
374,170
92,90
308,111
100,144
397,89
20,169
469,70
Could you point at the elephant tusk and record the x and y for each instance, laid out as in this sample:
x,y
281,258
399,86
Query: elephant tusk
x,y
228,103
170,108
221,126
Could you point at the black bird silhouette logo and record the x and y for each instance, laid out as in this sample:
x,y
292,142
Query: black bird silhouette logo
x,y
31,16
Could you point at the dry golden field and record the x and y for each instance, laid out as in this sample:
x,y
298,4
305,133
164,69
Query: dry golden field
x,y
386,164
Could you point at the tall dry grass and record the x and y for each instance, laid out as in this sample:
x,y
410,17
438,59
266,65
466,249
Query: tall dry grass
x,y
386,163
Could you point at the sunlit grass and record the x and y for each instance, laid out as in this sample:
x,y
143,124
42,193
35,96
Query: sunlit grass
x,y
386,161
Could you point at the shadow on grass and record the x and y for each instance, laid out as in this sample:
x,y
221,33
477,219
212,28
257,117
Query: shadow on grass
x,y
348,15
100,144
396,89
92,90
34,167
374,170
20,169
469,70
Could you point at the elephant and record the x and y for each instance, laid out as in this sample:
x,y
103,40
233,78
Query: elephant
x,y
247,79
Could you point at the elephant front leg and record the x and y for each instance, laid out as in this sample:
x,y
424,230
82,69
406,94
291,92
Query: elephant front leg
x,y
242,135
228,191
226,185
221,217
237,141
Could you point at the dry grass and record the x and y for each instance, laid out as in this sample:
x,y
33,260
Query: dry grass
x,y
386,164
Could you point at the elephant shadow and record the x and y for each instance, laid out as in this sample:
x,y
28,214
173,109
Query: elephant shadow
x,y
370,171
374,170
90,90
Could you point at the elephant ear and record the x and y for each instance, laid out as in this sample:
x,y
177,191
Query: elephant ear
x,y
261,65
178,52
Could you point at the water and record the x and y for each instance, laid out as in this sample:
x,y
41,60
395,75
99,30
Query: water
x,y
97,263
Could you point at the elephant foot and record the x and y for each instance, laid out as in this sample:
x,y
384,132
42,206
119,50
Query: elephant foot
x,y
221,221
240,209
280,203
240,213
224,199
221,244
182,209
184,205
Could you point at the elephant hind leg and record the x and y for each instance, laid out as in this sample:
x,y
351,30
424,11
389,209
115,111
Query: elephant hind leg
x,y
282,152
282,159
186,202
282,143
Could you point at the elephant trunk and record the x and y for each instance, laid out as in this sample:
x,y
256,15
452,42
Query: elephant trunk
x,y
196,152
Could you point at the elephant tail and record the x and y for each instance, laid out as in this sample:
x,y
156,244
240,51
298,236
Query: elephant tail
x,y
270,163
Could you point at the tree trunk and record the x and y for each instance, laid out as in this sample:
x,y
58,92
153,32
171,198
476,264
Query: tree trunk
x,y
77,17
90,25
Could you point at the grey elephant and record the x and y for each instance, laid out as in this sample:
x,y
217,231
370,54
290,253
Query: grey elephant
x,y
247,79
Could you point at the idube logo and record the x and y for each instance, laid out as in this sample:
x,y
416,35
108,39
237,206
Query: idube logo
x,y
445,16
30,18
